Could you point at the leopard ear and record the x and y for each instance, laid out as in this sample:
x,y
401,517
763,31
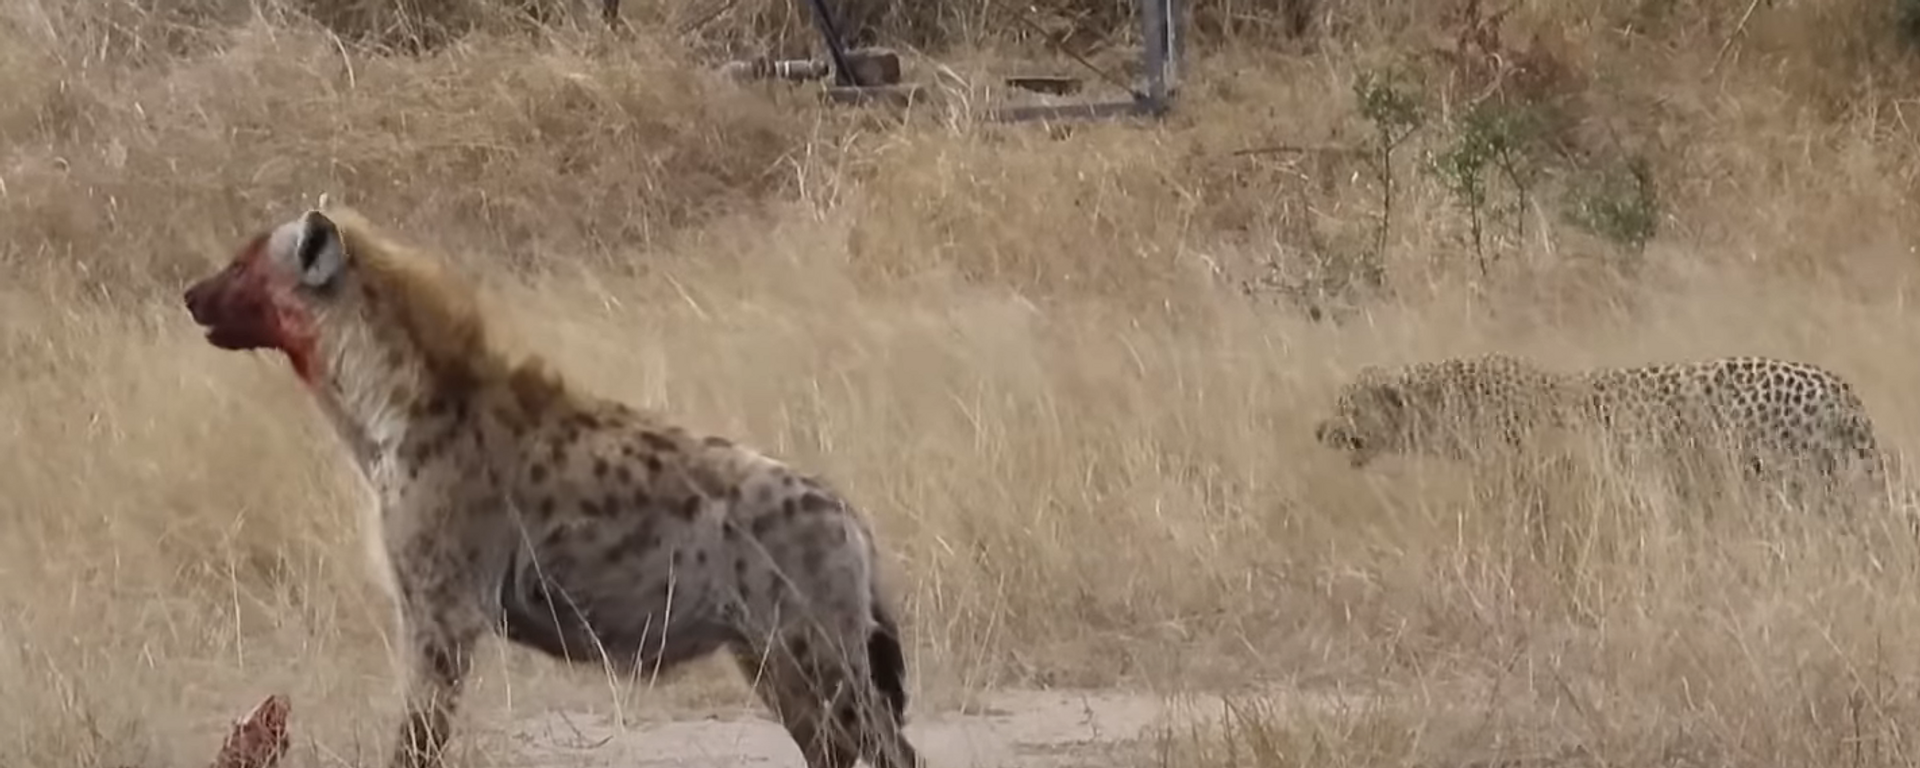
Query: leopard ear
x,y
1392,396
320,253
1387,391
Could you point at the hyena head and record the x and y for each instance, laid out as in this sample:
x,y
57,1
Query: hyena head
x,y
287,289
351,309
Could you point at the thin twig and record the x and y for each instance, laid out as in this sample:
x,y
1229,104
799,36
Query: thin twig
x,y
1738,30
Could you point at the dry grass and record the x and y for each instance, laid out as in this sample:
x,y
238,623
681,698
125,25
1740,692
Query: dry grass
x,y
1088,454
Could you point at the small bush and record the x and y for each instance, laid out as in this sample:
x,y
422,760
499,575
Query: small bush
x,y
1618,202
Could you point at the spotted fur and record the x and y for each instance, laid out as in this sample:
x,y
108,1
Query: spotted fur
x,y
508,501
1775,418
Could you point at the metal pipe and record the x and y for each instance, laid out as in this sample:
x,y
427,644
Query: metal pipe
x,y
842,74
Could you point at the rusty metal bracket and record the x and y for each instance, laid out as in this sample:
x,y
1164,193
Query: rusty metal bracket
x,y
1160,41
843,75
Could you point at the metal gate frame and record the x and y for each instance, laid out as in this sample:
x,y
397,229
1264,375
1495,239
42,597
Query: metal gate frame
x,y
1160,45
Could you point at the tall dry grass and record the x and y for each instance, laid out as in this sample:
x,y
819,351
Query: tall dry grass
x,y
1088,453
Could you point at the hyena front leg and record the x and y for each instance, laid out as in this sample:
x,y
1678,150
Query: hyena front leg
x,y
441,627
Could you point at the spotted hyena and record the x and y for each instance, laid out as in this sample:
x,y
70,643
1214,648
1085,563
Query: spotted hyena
x,y
509,500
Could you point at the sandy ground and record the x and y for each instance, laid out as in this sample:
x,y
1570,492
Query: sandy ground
x,y
1009,728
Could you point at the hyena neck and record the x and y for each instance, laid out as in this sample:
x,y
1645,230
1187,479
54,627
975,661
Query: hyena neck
x,y
375,391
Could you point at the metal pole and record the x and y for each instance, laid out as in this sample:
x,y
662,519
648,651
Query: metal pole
x,y
1153,38
1172,21
842,75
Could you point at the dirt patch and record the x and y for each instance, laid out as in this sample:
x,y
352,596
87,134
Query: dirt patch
x,y
1007,728
1027,728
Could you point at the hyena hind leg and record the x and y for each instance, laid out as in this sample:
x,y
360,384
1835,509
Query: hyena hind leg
x,y
829,700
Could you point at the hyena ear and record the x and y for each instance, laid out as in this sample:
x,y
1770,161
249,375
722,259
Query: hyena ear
x,y
321,253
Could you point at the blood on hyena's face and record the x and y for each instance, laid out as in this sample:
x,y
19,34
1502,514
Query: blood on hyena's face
x,y
261,299
237,305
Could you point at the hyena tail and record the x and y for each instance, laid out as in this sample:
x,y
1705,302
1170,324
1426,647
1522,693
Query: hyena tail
x,y
888,661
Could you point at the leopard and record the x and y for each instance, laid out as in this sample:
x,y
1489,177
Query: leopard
x,y
1777,419
508,501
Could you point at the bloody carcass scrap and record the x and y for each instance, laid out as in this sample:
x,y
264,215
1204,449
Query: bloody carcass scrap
x,y
259,739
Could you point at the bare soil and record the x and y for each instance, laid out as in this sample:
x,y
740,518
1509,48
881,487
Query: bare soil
x,y
1020,727
1051,728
